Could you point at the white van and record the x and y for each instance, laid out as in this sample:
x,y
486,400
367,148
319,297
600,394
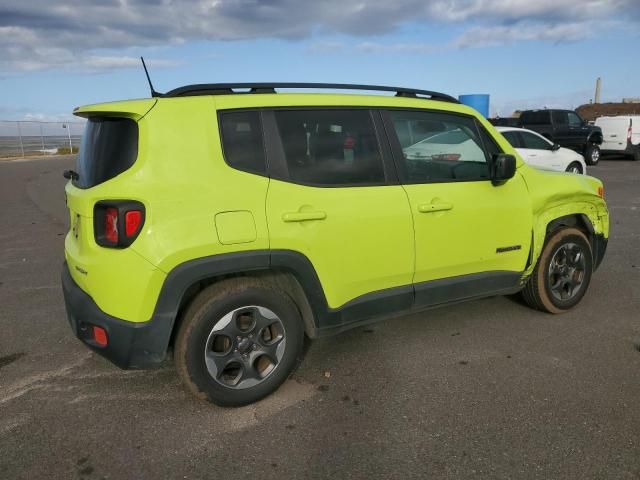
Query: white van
x,y
621,135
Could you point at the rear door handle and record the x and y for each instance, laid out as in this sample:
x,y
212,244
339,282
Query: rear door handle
x,y
303,216
434,207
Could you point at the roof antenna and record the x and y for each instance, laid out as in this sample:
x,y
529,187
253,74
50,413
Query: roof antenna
x,y
153,92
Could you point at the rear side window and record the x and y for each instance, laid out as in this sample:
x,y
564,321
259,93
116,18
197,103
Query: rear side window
x,y
540,117
330,147
109,147
242,141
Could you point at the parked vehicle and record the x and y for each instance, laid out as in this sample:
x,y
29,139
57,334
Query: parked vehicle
x,y
567,129
231,227
621,134
539,152
505,121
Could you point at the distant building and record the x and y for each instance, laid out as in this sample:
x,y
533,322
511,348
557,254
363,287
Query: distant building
x,y
591,111
631,100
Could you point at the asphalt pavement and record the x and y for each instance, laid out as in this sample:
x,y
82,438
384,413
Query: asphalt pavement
x,y
486,389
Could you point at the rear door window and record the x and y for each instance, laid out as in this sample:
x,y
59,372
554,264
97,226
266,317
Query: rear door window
x,y
560,118
513,138
332,147
109,147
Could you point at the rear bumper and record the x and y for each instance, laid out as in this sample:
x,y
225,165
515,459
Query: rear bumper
x,y
130,344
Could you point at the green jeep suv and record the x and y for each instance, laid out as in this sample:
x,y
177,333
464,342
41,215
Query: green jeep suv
x,y
230,223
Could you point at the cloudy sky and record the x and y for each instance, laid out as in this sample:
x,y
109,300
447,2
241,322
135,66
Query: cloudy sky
x,y
55,55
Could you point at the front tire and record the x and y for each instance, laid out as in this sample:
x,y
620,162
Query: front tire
x,y
592,154
238,342
563,272
574,167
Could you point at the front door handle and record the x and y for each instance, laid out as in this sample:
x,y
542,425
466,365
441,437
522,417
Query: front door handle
x,y
434,207
303,216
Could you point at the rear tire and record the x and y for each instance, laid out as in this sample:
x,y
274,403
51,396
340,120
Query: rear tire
x,y
563,272
636,155
592,154
575,167
238,342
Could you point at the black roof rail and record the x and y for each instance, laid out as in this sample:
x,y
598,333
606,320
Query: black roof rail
x,y
230,88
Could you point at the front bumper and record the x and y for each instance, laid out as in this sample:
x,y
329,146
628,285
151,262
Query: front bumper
x,y
130,345
599,249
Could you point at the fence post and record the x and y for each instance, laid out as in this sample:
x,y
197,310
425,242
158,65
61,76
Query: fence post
x,y
68,127
20,135
42,140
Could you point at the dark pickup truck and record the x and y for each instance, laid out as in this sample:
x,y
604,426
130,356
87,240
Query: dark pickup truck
x,y
566,128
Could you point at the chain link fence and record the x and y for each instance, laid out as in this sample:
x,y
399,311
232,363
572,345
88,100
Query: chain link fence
x,y
38,139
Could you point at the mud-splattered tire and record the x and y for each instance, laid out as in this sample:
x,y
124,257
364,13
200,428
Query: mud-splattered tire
x,y
563,272
239,341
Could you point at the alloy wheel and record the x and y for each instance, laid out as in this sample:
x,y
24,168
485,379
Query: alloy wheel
x,y
567,271
245,346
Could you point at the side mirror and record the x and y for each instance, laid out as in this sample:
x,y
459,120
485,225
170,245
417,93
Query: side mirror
x,y
555,147
503,167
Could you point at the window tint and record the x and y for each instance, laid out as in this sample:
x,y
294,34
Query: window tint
x,y
330,147
440,147
574,120
109,146
242,141
513,138
539,117
530,140
560,118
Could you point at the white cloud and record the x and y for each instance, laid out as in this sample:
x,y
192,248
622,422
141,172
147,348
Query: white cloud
x,y
500,35
40,34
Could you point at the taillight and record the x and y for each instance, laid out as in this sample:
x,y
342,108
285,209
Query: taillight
x,y
117,223
629,133
132,222
601,191
111,225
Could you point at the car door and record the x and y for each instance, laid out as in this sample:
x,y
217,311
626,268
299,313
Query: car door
x,y
538,152
330,199
471,237
578,130
561,128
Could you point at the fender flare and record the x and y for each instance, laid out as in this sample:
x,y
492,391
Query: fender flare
x,y
175,287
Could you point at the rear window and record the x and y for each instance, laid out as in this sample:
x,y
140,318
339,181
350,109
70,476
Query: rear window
x,y
109,147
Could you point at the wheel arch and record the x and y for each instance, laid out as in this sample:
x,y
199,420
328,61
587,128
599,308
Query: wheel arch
x,y
595,138
289,271
578,215
576,220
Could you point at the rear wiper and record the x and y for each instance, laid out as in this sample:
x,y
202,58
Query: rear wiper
x,y
71,175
